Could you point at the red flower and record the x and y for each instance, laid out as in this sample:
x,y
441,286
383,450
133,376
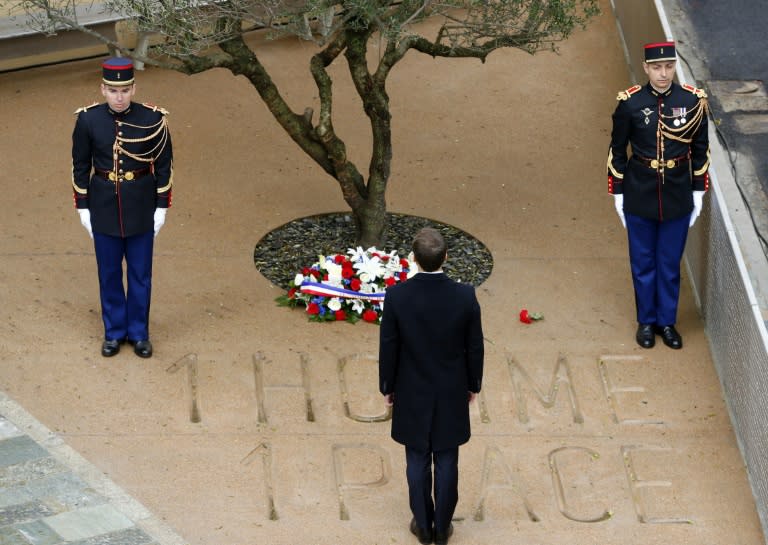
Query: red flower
x,y
354,284
340,315
528,317
390,281
339,259
347,265
403,276
370,315
314,273
404,263
291,293
347,272
305,271
325,277
313,309
384,258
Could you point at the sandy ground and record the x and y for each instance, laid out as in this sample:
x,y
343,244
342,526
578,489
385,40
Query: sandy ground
x,y
580,437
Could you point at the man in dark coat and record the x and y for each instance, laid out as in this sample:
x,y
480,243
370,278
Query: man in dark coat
x,y
122,175
430,368
658,191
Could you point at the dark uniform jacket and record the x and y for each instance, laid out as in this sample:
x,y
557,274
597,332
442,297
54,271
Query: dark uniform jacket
x,y
122,167
430,357
667,133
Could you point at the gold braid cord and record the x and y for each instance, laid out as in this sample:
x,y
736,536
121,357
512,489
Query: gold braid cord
x,y
159,129
685,133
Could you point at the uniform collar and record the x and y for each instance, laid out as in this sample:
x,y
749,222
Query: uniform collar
x,y
655,93
120,114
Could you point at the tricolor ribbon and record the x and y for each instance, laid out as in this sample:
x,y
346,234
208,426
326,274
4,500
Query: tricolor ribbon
x,y
325,290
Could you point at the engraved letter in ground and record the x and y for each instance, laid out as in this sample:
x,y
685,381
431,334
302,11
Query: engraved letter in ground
x,y
561,376
351,464
190,363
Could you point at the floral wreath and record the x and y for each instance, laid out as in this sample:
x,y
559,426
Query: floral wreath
x,y
348,287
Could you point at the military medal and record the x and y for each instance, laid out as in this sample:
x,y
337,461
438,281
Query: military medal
x,y
646,112
679,115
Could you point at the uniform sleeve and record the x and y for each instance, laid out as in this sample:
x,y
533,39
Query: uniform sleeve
x,y
617,152
475,348
163,165
389,348
700,155
81,161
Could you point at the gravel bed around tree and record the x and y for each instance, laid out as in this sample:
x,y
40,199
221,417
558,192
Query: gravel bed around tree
x,y
284,251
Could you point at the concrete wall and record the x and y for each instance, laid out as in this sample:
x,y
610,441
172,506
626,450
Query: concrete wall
x,y
37,49
720,279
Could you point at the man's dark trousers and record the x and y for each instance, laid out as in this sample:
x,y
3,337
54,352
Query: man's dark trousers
x,y
419,474
125,314
655,251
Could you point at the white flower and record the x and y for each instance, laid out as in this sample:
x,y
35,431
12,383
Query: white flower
x,y
334,273
358,305
298,280
334,304
369,268
356,254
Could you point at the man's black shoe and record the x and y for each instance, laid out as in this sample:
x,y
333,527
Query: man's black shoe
x,y
670,336
143,349
645,336
441,538
424,536
110,347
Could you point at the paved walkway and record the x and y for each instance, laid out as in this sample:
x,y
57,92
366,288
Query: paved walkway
x,y
50,495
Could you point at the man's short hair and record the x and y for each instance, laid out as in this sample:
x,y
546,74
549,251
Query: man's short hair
x,y
429,249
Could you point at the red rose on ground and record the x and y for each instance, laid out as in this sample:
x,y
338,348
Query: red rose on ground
x,y
339,259
370,315
403,276
528,317
313,309
404,263
291,293
390,281
354,284
340,315
347,272
305,271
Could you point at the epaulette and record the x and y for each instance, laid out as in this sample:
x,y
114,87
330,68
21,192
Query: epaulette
x,y
624,95
155,108
696,91
84,108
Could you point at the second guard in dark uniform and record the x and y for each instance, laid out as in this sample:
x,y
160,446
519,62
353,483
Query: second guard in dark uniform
x,y
122,175
658,189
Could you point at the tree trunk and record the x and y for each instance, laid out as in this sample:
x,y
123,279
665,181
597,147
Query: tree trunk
x,y
370,223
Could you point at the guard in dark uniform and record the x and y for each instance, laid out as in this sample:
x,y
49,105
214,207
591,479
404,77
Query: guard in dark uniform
x,y
659,188
122,174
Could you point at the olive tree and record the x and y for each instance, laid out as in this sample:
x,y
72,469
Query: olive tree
x,y
198,35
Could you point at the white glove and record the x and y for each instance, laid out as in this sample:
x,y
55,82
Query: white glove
x,y
159,218
85,219
698,201
618,202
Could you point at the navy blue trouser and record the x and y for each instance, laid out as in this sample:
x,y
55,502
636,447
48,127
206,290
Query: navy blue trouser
x,y
125,313
655,251
418,471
